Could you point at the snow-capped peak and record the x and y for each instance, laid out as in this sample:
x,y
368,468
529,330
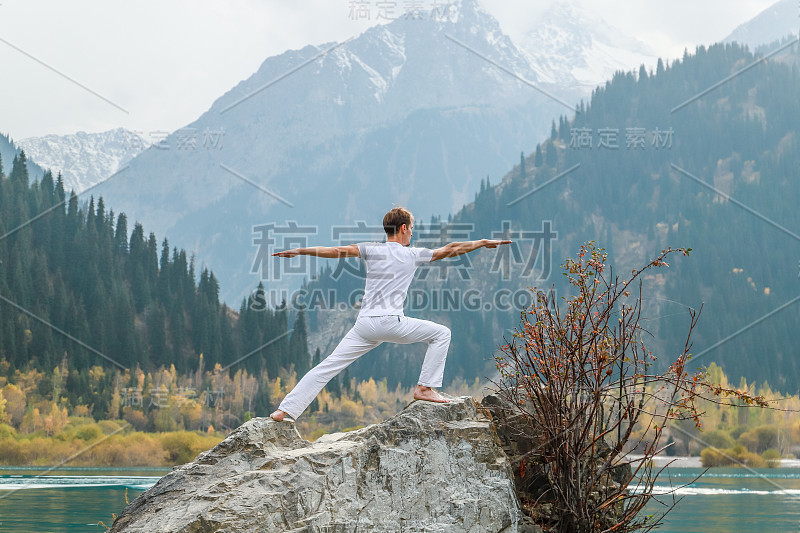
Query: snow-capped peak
x,y
84,159
571,46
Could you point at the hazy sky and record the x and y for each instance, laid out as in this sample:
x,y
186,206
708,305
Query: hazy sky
x,y
164,62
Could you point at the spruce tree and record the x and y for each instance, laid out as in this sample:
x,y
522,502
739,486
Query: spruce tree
x,y
121,234
298,345
551,158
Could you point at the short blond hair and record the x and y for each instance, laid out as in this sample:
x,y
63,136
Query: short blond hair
x,y
396,218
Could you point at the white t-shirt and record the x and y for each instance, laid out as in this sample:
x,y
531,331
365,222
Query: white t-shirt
x,y
390,269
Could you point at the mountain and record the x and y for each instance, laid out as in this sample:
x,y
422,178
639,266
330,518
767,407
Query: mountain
x,y
773,24
718,175
574,48
416,112
84,159
636,171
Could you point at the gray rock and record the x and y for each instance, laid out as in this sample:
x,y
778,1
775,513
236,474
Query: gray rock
x,y
432,468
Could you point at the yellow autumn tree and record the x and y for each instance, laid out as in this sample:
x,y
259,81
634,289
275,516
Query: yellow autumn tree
x,y
368,390
31,421
55,420
192,414
15,404
2,408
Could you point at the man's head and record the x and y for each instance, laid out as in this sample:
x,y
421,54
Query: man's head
x,y
394,221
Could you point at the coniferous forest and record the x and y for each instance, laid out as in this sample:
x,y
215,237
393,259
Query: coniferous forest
x,y
654,160
724,182
93,302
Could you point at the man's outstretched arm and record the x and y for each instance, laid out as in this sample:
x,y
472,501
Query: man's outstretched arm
x,y
460,248
331,252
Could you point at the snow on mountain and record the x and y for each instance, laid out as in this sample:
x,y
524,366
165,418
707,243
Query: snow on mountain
x,y
385,73
84,159
574,48
774,23
415,112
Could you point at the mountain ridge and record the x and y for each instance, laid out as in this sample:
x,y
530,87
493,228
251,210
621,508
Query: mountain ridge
x,y
445,119
84,159
573,47
773,24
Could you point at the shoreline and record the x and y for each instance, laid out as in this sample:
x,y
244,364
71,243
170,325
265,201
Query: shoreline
x,y
684,461
681,461
59,468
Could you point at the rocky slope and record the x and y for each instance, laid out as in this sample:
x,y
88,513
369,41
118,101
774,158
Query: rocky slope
x,y
433,467
84,159
415,112
573,47
773,24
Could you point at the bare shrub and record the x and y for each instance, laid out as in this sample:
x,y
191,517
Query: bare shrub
x,y
590,392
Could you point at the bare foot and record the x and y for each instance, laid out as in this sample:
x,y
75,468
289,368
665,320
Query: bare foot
x,y
429,395
278,415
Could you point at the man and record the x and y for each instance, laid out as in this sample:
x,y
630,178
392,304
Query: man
x,y
390,268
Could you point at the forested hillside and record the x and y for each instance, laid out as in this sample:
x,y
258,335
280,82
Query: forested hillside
x,y
723,182
80,291
655,160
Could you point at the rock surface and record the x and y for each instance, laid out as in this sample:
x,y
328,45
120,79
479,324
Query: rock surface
x,y
432,467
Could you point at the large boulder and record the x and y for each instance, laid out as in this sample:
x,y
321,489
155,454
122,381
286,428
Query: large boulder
x,y
433,467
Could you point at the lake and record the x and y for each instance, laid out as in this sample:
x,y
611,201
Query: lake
x,y
78,499
68,499
728,500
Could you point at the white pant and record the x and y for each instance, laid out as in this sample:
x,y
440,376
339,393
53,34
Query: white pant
x,y
367,333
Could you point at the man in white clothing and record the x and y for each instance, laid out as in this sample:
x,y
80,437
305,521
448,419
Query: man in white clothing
x,y
390,269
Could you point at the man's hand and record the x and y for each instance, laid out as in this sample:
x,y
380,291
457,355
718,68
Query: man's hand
x,y
495,244
288,253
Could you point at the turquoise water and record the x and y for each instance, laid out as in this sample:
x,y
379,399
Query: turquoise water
x,y
728,500
724,500
68,499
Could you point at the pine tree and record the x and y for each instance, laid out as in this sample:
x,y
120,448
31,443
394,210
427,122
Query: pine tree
x,y
121,234
298,345
19,172
551,158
